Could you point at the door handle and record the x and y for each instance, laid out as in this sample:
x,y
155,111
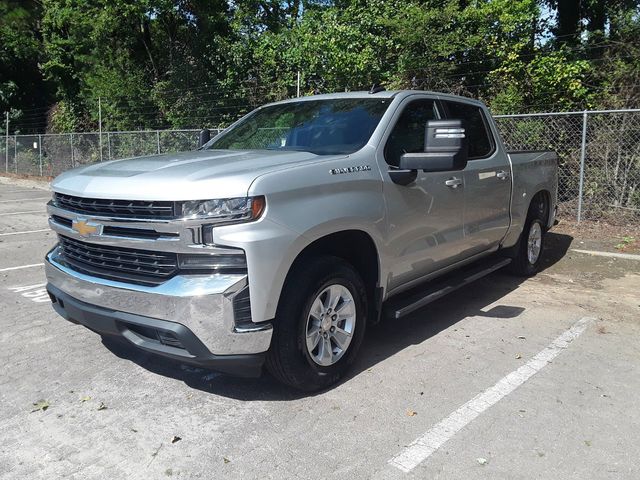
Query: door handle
x,y
502,175
453,182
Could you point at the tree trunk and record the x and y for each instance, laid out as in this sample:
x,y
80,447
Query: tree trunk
x,y
568,28
146,41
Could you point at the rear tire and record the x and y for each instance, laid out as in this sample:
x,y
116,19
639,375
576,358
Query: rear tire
x,y
309,329
526,262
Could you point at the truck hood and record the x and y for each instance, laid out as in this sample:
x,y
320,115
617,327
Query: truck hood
x,y
196,175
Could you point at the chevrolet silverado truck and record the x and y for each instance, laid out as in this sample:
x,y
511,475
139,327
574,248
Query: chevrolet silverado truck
x,y
283,238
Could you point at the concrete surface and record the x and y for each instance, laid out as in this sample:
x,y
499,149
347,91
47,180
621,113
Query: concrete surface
x,y
116,413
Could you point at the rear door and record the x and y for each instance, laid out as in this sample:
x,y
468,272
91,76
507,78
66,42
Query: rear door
x,y
425,218
487,180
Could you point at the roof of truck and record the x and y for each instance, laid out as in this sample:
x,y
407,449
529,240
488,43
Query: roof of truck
x,y
382,94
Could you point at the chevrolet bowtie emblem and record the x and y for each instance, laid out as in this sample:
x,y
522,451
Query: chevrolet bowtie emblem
x,y
85,228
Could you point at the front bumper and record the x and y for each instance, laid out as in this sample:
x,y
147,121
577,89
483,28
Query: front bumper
x,y
199,304
168,339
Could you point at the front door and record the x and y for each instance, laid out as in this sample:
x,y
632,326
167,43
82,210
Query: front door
x,y
424,222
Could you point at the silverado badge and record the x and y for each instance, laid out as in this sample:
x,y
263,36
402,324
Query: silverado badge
x,y
357,168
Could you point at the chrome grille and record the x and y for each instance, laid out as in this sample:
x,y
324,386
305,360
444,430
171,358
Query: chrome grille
x,y
122,264
115,208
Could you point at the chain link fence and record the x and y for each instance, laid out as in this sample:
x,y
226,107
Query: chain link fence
x,y
52,154
599,151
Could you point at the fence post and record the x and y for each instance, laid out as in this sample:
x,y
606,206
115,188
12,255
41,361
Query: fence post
x,y
100,125
158,140
15,151
40,152
109,145
583,149
71,145
6,145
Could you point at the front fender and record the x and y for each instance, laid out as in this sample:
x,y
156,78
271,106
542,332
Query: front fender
x,y
304,204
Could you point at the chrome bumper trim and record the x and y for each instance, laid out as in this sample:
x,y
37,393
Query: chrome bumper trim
x,y
202,303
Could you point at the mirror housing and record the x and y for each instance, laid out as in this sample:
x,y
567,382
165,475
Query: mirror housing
x,y
445,148
403,177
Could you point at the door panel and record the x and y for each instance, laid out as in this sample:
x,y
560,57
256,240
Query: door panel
x,y
487,180
486,212
425,226
425,218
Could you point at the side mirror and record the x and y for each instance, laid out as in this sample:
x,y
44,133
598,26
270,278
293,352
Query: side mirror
x,y
445,148
203,137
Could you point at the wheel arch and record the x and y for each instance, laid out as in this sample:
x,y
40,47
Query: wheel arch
x,y
543,198
355,247
521,212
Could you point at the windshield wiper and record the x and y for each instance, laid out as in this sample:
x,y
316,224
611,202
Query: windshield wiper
x,y
293,149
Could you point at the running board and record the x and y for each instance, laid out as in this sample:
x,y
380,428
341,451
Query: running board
x,y
409,302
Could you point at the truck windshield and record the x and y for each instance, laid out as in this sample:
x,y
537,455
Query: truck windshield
x,y
323,127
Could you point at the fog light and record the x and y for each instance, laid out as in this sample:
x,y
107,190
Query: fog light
x,y
235,261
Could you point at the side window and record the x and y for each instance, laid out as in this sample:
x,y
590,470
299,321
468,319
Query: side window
x,y
407,135
480,139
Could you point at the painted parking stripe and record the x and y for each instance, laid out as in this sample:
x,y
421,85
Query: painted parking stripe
x,y
21,267
22,213
14,191
423,447
24,232
36,293
25,199
628,256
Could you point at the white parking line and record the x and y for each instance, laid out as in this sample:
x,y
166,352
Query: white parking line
x,y
25,199
22,213
21,267
36,293
422,448
15,191
25,231
628,256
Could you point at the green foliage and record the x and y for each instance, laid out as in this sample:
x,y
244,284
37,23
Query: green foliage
x,y
128,52
178,63
64,117
21,83
552,78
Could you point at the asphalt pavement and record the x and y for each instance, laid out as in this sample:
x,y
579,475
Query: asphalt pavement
x,y
505,379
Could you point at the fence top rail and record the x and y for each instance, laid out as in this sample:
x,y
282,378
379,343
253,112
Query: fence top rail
x,y
194,130
169,130
547,114
114,132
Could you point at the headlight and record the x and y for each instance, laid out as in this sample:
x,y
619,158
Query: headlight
x,y
225,210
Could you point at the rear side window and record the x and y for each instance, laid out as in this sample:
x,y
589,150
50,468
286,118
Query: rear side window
x,y
477,130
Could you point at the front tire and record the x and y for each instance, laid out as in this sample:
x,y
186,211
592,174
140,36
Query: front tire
x,y
320,324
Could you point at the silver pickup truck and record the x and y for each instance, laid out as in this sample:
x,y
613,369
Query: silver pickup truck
x,y
284,237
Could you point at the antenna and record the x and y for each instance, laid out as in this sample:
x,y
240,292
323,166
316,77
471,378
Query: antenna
x,y
375,88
